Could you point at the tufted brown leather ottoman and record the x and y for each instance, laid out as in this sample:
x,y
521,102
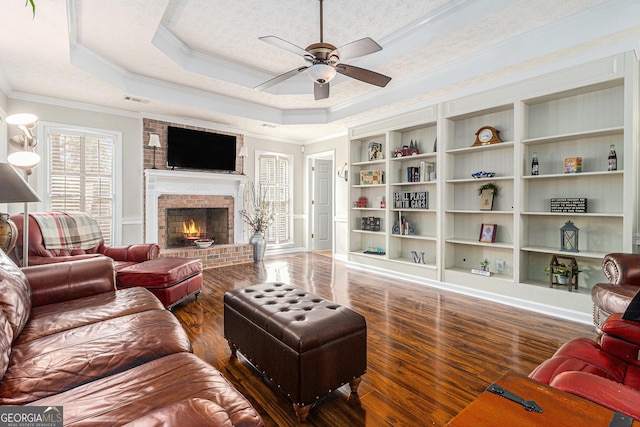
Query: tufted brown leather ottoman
x,y
172,280
306,345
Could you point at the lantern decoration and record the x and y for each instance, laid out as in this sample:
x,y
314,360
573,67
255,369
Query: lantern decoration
x,y
569,237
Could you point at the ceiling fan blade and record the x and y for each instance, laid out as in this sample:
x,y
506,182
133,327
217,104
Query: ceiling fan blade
x,y
283,44
320,91
363,75
282,77
356,48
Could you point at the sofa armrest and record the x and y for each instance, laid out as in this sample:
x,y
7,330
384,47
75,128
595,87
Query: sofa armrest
x,y
622,268
133,253
627,330
65,281
610,394
44,260
621,338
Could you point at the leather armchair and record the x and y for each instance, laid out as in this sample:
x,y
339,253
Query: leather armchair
x,y
123,256
623,272
607,373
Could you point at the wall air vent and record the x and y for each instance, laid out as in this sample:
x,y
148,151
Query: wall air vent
x,y
134,99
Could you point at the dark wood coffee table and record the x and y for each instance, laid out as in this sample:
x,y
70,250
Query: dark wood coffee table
x,y
559,408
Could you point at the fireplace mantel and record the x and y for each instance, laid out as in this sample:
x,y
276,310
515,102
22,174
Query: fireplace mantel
x,y
161,182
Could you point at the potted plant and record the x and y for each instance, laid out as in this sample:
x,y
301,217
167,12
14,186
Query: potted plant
x,y
258,214
484,265
561,273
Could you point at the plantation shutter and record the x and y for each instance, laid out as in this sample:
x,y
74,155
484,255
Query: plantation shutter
x,y
81,175
274,185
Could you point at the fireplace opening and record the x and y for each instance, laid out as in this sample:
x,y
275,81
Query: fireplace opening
x,y
186,225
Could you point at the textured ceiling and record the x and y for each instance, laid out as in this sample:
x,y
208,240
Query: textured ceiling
x,y
201,59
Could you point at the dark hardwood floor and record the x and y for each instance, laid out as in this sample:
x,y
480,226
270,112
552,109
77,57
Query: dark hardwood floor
x,y
430,352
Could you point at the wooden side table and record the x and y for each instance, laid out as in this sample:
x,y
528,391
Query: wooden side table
x,y
558,408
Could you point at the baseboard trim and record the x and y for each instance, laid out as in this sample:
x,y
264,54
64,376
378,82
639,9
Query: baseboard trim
x,y
562,313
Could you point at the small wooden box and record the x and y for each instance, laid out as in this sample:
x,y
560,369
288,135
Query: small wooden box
x,y
371,177
573,164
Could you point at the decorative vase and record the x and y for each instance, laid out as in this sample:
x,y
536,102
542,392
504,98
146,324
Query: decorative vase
x,y
562,280
259,245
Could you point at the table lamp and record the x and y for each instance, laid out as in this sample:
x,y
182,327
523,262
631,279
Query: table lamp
x,y
243,153
154,142
14,189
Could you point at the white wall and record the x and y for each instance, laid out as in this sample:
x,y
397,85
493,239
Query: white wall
x,y
132,176
131,127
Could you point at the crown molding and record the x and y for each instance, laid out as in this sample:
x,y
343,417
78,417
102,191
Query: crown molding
x,y
574,30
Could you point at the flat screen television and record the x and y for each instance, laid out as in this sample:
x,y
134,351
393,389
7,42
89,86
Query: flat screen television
x,y
193,149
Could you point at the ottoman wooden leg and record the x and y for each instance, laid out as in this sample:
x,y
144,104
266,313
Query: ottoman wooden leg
x,y
354,384
233,349
301,412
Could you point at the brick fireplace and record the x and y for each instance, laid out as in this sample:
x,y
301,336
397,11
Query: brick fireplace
x,y
186,225
206,211
199,196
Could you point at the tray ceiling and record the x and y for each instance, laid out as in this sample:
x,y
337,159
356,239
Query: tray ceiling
x,y
200,60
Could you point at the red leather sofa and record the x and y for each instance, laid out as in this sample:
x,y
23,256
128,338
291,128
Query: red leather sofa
x,y
607,373
623,272
108,357
172,280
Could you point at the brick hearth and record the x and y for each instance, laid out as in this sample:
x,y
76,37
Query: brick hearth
x,y
216,256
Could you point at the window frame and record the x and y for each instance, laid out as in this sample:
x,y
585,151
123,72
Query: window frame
x,y
43,172
256,183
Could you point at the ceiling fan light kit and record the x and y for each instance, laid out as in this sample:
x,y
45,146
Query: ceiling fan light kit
x,y
325,62
321,73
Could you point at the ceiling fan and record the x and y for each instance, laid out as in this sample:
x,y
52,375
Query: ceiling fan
x,y
325,60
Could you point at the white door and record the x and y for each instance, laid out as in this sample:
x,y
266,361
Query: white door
x,y
322,204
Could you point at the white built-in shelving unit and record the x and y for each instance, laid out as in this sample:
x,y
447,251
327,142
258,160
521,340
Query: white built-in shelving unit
x,y
578,112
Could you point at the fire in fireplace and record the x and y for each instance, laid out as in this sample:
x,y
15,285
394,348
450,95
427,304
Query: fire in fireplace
x,y
192,232
186,225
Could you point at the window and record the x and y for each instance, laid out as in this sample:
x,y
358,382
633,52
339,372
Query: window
x,y
81,175
274,184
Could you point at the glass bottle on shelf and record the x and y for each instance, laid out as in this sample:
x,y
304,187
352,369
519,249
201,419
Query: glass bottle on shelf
x,y
535,167
613,158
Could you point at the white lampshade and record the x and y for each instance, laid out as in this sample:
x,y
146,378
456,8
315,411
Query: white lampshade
x,y
243,152
22,119
154,140
24,159
321,73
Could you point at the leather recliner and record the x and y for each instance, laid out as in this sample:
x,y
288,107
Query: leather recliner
x,y
623,272
607,373
123,256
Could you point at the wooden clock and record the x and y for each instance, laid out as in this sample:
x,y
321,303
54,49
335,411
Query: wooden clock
x,y
487,135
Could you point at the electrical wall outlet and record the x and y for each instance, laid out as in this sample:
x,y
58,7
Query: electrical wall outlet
x,y
500,265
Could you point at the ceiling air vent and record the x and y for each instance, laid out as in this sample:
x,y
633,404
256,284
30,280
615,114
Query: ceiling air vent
x,y
268,125
134,99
